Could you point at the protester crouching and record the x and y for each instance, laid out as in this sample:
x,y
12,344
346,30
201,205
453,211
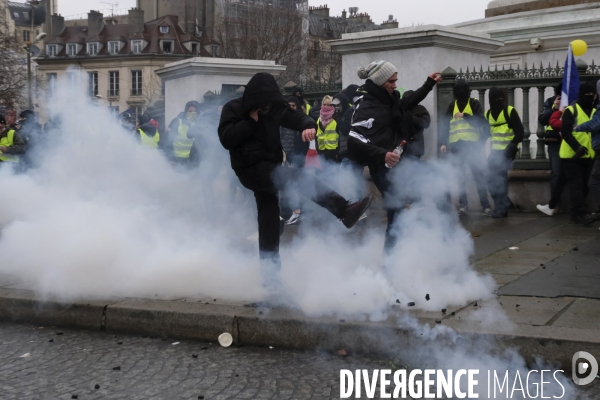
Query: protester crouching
x,y
507,132
576,151
461,136
376,132
147,132
12,146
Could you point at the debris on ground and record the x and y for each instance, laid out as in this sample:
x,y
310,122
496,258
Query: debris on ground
x,y
411,304
342,320
175,343
96,386
225,339
271,347
475,305
576,249
59,333
25,355
513,248
397,301
342,353
204,348
194,355
51,340
438,321
74,396
120,342
427,297
443,311
518,305
117,368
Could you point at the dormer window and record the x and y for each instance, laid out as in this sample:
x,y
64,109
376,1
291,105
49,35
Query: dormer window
x,y
71,50
164,29
214,50
51,50
92,49
25,16
136,46
167,46
194,48
113,47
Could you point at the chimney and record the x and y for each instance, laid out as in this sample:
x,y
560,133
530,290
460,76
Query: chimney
x,y
95,23
57,25
136,20
344,14
323,11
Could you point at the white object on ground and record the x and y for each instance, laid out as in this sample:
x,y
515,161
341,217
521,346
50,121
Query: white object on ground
x,y
513,248
176,343
225,339
25,355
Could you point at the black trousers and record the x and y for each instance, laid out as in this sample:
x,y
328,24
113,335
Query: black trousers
x,y
470,155
558,178
578,172
594,184
498,167
265,180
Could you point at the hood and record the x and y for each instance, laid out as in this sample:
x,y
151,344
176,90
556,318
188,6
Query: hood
x,y
351,92
300,97
496,98
587,94
408,93
294,99
148,128
461,90
262,91
344,102
192,103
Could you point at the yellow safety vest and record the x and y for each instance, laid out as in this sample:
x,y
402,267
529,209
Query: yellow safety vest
x,y
460,129
501,133
148,141
329,138
7,141
182,146
584,138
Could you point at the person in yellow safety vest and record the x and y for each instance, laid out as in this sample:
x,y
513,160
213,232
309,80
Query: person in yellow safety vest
x,y
299,93
147,132
182,147
328,138
11,144
576,152
461,136
506,132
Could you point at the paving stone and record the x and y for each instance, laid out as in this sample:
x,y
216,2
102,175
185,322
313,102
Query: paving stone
x,y
583,314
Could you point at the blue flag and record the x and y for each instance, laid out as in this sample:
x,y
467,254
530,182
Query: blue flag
x,y
570,84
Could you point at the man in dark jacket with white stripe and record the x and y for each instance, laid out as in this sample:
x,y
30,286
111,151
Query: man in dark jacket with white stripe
x,y
376,130
250,130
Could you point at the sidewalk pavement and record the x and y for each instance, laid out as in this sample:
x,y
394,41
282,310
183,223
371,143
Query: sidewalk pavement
x,y
547,326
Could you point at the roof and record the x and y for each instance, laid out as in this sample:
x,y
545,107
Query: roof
x,y
20,13
334,27
120,32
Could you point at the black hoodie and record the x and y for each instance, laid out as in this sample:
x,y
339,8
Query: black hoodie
x,y
462,96
420,120
250,142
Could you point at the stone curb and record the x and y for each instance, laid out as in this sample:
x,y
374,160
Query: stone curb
x,y
277,327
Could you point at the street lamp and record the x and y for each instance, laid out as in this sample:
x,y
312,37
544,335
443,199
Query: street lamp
x,y
27,47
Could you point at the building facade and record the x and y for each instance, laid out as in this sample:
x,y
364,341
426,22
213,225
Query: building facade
x,y
119,60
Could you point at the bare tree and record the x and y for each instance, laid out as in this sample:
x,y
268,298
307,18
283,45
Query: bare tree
x,y
13,69
265,32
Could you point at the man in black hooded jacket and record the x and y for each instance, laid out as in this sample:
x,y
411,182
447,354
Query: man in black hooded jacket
x,y
250,130
419,121
506,133
461,136
376,132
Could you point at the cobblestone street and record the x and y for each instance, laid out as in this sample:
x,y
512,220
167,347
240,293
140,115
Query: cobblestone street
x,y
50,363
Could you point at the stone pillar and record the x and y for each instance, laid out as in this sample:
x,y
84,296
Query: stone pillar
x,y
525,147
541,146
416,52
192,78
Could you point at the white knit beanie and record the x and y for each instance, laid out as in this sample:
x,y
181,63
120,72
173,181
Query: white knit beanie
x,y
378,71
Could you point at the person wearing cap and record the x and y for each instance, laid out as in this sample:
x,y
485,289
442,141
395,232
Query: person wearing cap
x,y
376,131
182,148
460,135
593,127
147,132
12,146
507,132
250,130
577,153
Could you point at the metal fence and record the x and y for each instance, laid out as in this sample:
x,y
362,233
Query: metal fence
x,y
538,78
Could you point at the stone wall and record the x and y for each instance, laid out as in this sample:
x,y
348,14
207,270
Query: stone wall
x,y
521,6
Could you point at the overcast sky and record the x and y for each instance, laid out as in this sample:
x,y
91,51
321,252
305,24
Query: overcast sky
x,y
407,12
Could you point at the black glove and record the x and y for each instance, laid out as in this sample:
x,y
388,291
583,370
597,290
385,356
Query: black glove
x,y
581,151
511,151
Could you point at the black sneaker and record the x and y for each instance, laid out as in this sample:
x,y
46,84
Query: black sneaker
x,y
354,211
589,219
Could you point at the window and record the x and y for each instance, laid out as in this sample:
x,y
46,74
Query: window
x,y
51,80
164,29
25,15
136,83
72,79
194,48
113,47
71,50
215,49
51,50
113,83
114,111
93,84
92,49
136,112
167,46
16,15
136,46
26,36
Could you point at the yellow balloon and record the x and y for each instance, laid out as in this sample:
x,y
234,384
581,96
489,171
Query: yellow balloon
x,y
579,47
